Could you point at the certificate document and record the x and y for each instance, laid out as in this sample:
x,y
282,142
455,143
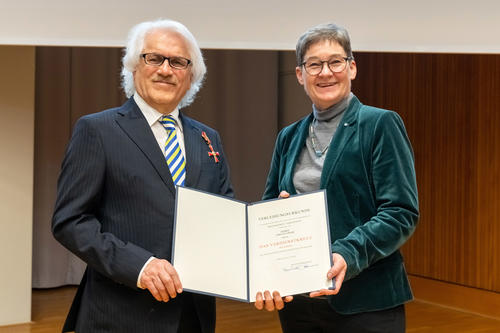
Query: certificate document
x,y
228,248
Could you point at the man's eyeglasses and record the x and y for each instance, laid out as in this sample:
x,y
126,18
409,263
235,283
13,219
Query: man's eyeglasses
x,y
314,66
155,59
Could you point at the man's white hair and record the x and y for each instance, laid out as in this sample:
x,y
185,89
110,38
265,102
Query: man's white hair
x,y
135,44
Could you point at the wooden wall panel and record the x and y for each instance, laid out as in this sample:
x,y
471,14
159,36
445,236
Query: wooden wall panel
x,y
488,172
95,80
70,82
240,99
450,105
293,103
52,132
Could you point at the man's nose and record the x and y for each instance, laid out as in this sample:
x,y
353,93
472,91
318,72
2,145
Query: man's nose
x,y
165,68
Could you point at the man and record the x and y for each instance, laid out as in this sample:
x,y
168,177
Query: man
x,y
363,158
116,191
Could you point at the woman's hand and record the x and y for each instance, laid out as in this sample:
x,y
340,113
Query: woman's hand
x,y
276,302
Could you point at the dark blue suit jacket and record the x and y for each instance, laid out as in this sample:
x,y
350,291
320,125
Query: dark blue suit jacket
x,y
115,209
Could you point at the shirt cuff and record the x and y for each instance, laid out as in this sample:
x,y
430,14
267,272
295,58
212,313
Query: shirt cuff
x,y
140,273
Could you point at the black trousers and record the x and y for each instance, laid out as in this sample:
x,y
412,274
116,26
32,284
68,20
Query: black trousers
x,y
189,322
310,315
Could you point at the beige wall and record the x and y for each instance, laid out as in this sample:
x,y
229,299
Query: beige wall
x,y
389,25
17,68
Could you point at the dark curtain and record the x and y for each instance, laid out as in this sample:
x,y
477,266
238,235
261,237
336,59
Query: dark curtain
x,y
449,103
244,97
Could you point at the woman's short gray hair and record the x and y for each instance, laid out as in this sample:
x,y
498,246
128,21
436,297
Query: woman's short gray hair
x,y
134,47
322,32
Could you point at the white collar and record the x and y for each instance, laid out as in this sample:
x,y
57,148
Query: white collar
x,y
152,115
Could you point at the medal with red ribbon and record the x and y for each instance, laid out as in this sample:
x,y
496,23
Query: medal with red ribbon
x,y
211,153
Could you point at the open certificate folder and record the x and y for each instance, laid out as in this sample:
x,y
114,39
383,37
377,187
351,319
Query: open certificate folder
x,y
228,248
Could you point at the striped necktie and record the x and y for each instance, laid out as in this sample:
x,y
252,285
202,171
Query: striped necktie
x,y
173,153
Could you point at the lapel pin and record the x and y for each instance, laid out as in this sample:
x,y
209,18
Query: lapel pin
x,y
211,153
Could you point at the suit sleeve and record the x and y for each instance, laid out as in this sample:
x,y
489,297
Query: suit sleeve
x,y
394,195
75,222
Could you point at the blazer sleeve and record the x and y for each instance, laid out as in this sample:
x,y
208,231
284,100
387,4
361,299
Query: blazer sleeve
x,y
75,222
393,193
272,189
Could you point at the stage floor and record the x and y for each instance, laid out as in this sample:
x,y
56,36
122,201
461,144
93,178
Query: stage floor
x,y
51,305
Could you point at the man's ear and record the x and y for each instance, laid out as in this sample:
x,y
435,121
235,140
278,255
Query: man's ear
x,y
298,72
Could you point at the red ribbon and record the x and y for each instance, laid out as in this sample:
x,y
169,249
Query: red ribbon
x,y
211,153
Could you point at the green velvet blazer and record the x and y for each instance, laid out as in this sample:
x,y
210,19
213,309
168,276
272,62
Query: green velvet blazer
x,y
369,177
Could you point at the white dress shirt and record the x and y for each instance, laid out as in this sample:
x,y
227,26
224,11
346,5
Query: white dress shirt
x,y
152,117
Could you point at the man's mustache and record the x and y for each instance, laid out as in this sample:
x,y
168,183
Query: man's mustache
x,y
165,79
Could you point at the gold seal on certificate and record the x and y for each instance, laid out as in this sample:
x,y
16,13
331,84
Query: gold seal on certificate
x,y
228,248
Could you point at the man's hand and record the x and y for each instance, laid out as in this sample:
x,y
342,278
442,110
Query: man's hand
x,y
337,271
161,279
276,302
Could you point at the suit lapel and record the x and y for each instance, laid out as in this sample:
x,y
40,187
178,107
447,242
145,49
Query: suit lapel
x,y
132,121
342,136
193,144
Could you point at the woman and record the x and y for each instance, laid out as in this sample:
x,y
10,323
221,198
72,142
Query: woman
x,y
363,158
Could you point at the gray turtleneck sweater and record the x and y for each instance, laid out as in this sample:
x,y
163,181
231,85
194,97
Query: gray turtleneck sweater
x,y
307,173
